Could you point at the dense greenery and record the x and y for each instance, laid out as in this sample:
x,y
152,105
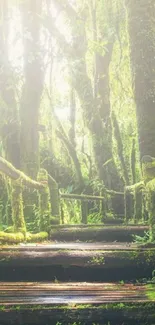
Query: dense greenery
x,y
77,113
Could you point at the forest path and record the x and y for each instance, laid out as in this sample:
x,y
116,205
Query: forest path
x,y
76,281
76,303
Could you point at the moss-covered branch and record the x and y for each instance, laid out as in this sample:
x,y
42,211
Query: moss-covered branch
x,y
9,170
88,197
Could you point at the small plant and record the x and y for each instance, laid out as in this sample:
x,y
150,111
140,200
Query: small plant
x,y
56,280
121,282
141,240
97,260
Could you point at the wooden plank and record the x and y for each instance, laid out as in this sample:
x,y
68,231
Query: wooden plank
x,y
62,293
88,197
49,303
82,197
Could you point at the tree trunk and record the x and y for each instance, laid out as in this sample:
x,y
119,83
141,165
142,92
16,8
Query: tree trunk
x,y
32,91
9,129
142,40
94,117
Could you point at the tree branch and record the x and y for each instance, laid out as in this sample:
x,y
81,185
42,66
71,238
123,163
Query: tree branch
x,y
9,170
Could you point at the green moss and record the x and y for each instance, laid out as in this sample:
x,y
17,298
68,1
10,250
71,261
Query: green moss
x,y
150,292
149,256
151,185
11,237
54,198
17,208
97,260
133,201
128,204
136,187
15,238
148,169
44,202
150,203
41,236
30,199
146,306
15,174
137,205
134,255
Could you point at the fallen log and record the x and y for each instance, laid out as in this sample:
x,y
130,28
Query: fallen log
x,y
103,259
97,233
133,313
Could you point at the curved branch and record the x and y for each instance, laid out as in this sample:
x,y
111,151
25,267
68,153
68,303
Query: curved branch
x,y
9,170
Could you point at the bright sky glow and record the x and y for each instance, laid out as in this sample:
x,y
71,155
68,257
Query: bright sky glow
x,y
15,40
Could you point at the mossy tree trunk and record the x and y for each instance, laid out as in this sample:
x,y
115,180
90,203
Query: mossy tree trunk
x,y
9,126
31,95
142,42
3,200
101,120
17,207
54,199
33,87
44,202
120,149
128,204
133,161
138,206
98,120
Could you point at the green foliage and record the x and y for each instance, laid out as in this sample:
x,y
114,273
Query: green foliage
x,y
97,260
91,56
71,211
95,218
142,240
44,202
17,208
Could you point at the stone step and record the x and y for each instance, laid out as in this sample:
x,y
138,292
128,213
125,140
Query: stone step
x,y
46,303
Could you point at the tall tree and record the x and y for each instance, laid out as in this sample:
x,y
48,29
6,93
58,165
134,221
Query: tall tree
x,y
141,21
33,87
96,118
9,114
